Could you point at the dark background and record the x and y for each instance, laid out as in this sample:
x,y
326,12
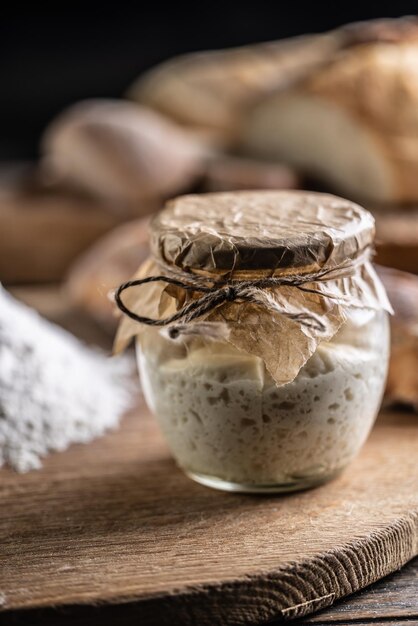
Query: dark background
x,y
52,58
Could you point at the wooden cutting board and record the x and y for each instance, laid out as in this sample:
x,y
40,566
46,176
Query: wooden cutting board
x,y
115,522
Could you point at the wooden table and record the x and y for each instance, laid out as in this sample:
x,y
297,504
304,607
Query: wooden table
x,y
393,600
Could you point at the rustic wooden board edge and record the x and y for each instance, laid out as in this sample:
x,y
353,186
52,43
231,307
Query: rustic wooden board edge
x,y
293,591
290,592
393,597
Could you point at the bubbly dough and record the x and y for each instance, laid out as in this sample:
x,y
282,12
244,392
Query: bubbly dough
x,y
223,416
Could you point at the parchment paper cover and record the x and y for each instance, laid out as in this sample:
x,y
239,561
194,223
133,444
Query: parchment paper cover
x,y
248,235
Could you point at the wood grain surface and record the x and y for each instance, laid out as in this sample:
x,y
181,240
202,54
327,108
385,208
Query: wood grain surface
x,y
395,597
393,601
116,522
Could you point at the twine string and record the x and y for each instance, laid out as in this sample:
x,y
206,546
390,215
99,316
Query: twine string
x,y
220,292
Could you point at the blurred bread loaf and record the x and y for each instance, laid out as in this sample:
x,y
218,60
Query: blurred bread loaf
x,y
128,156
230,173
353,123
397,238
108,263
402,382
209,91
43,230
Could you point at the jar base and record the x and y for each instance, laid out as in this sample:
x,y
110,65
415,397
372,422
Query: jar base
x,y
296,484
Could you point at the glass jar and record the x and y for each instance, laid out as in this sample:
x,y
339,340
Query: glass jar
x,y
229,426
286,397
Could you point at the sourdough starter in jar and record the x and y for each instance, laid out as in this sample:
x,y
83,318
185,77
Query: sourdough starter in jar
x,y
271,367
230,426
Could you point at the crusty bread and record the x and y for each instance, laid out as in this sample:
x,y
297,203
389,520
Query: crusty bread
x,y
211,91
352,124
129,156
233,173
108,263
402,382
397,238
43,230
208,91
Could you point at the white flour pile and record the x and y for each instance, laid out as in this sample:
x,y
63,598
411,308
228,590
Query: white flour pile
x,y
54,390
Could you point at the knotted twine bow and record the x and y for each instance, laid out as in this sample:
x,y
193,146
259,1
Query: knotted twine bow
x,y
220,292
